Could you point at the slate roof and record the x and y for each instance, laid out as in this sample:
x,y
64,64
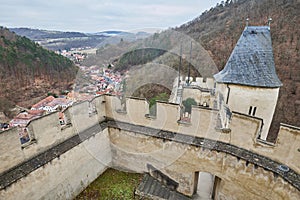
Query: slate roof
x,y
251,62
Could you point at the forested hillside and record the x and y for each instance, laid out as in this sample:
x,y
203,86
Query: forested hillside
x,y
219,29
28,71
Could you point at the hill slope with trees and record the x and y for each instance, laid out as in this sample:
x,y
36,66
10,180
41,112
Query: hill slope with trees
x,y
28,71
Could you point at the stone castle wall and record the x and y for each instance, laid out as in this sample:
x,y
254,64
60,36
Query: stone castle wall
x,y
181,162
65,176
264,100
244,129
46,133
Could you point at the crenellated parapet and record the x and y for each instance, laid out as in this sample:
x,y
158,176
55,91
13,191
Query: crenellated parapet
x,y
240,138
242,131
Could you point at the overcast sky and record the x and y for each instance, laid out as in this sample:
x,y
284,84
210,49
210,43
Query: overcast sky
x,y
100,15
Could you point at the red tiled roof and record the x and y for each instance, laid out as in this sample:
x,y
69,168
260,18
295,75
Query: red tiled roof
x,y
25,116
23,119
36,112
43,102
58,101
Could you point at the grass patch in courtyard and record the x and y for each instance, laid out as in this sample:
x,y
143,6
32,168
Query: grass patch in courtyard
x,y
112,185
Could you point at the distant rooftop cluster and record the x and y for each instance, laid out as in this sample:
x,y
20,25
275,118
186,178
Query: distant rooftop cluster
x,y
74,55
46,105
104,81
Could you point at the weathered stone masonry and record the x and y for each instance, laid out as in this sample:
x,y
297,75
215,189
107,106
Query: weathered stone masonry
x,y
291,176
12,175
122,140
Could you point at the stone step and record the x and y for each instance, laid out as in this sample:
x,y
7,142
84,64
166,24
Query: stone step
x,y
153,189
179,92
179,96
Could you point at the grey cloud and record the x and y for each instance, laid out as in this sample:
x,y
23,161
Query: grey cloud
x,y
97,15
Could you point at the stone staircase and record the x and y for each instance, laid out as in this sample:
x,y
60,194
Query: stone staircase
x,y
151,188
179,95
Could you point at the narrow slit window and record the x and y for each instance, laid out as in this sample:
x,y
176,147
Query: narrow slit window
x,y
250,110
254,111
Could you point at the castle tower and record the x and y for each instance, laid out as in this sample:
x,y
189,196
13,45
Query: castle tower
x,y
249,83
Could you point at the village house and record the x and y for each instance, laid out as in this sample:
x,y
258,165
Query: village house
x,y
23,118
51,104
41,104
57,103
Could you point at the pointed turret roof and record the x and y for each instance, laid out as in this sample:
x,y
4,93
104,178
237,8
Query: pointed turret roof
x,y
251,62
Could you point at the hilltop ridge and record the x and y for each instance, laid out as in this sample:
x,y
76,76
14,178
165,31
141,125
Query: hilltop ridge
x,y
59,40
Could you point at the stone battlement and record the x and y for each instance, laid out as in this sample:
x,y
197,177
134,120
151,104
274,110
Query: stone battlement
x,y
46,132
127,132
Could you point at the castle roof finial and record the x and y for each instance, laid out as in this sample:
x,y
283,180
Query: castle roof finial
x,y
270,21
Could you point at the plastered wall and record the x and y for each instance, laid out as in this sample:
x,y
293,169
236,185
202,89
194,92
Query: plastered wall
x,y
127,147
180,162
240,98
244,129
66,176
10,148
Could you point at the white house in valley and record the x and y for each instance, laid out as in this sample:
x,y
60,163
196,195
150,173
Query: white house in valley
x,y
51,104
